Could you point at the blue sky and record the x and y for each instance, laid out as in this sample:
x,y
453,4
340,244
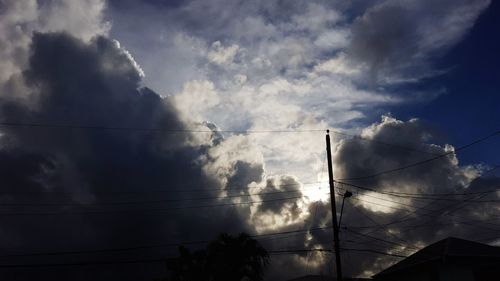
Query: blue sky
x,y
469,108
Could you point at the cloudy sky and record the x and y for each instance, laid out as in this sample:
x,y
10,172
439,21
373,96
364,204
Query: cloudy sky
x,y
130,126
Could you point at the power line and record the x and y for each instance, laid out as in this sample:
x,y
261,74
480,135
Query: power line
x,y
391,201
84,263
100,262
157,201
417,195
190,130
152,130
152,260
432,214
374,252
380,239
170,190
299,251
418,163
78,252
381,247
442,211
163,259
418,207
399,220
160,130
466,223
155,210
407,244
428,215
383,143
382,205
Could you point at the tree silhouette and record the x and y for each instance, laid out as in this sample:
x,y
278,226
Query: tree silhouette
x,y
228,258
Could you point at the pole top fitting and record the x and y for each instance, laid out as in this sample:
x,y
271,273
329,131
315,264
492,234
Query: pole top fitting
x,y
327,131
347,194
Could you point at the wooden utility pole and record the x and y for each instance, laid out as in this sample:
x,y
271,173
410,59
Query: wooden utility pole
x,y
334,208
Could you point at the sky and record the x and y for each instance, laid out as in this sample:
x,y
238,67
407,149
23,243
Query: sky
x,y
128,127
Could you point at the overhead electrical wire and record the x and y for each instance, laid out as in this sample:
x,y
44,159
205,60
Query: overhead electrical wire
x,y
79,252
151,210
407,244
153,130
7,204
433,214
429,223
380,239
163,259
418,163
191,130
374,252
105,262
417,207
252,202
413,195
151,260
165,190
383,143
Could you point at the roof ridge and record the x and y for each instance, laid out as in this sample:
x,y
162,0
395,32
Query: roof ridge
x,y
443,250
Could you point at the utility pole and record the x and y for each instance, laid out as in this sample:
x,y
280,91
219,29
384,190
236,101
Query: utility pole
x,y
334,208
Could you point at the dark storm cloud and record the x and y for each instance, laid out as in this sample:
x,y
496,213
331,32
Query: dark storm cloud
x,y
412,222
245,173
287,184
97,84
384,36
410,144
395,39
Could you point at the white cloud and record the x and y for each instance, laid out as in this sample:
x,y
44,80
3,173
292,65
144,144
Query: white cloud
x,y
222,55
197,97
15,36
240,79
83,19
331,40
280,85
111,65
315,18
19,19
339,65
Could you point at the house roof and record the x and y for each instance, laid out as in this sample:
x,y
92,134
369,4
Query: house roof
x,y
449,247
323,278
313,278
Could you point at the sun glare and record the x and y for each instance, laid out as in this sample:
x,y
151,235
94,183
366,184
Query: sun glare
x,y
316,192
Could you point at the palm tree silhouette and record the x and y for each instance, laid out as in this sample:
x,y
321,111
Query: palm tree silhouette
x,y
228,258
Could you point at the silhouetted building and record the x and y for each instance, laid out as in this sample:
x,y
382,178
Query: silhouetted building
x,y
450,259
324,278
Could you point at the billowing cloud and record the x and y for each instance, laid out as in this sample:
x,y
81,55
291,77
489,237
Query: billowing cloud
x,y
20,18
71,181
222,55
87,184
409,221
